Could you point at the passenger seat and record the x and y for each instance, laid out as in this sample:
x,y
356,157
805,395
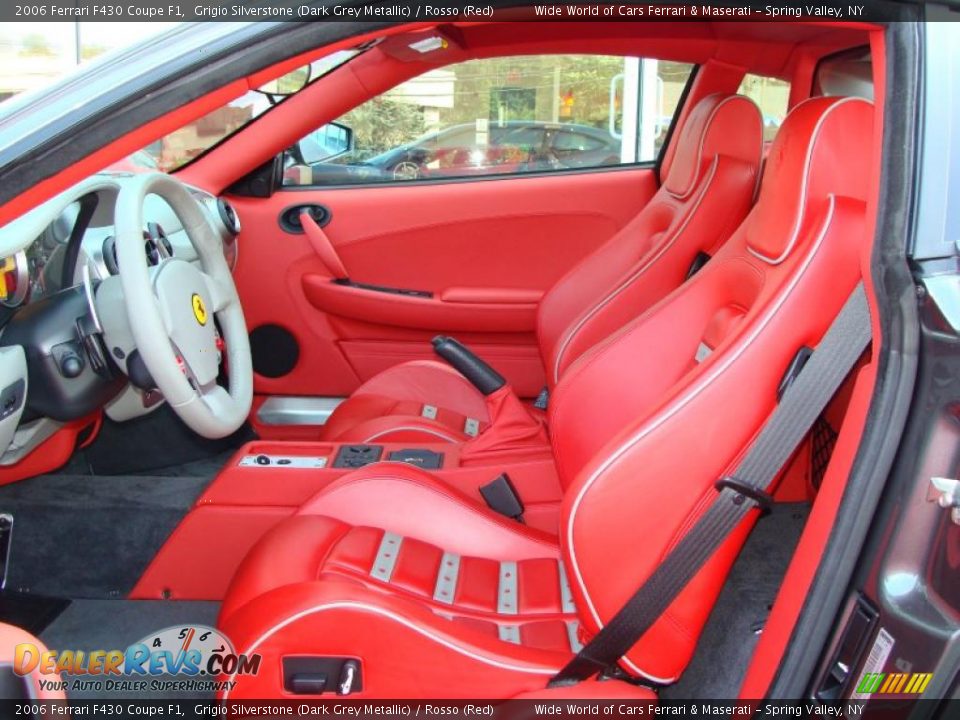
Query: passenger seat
x,y
709,189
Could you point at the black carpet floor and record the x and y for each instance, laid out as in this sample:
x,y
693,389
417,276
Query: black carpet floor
x,y
733,629
90,529
82,536
158,443
77,536
116,624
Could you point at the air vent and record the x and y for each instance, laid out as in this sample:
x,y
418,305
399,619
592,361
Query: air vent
x,y
228,215
109,251
110,255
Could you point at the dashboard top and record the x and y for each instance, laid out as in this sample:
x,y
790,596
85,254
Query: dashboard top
x,y
74,230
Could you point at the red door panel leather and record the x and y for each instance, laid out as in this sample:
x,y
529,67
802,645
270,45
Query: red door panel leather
x,y
487,233
322,246
420,313
487,250
493,296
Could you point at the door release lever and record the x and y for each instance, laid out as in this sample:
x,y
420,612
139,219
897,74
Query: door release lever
x,y
948,495
322,246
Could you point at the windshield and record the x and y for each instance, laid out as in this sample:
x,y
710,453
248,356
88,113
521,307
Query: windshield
x,y
176,149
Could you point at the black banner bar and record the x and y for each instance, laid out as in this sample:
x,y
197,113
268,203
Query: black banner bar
x,y
873,709
440,10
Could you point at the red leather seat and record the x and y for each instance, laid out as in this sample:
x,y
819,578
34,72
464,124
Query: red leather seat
x,y
708,191
436,595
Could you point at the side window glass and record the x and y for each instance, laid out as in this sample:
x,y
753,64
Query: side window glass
x,y
498,116
772,95
575,142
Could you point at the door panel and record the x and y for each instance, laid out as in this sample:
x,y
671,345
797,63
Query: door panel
x,y
418,312
486,251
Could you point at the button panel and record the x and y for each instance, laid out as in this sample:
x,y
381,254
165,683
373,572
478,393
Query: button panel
x,y
294,462
12,398
356,456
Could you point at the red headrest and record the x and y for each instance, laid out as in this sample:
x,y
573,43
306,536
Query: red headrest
x,y
728,125
823,148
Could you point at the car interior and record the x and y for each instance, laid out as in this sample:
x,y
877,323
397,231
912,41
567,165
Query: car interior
x,y
424,433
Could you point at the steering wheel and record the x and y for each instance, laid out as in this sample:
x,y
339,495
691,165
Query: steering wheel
x,y
171,307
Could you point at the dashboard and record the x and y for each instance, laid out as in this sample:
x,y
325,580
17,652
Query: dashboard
x,y
81,235
32,273
54,366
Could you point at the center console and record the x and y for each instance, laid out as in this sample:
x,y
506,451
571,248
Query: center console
x,y
266,481
348,457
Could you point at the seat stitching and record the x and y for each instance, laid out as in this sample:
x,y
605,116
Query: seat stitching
x,y
373,609
703,138
330,549
804,187
608,345
476,511
657,253
411,428
452,609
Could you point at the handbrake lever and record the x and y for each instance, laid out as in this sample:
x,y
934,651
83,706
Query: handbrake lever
x,y
467,363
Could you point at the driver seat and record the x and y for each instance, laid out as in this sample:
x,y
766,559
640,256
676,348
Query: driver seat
x,y
708,190
434,595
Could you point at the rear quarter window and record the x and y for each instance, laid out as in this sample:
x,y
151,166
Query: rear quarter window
x,y
772,96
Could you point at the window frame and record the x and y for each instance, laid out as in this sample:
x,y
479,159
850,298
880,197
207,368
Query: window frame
x,y
671,131
763,117
359,50
653,164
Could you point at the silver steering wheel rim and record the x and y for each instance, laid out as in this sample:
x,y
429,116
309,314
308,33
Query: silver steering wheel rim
x,y
171,307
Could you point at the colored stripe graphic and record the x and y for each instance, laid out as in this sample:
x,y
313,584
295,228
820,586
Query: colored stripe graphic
x,y
894,683
870,682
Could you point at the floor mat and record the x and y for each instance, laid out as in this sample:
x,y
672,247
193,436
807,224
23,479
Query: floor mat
x,y
158,441
731,634
78,536
32,613
207,467
115,625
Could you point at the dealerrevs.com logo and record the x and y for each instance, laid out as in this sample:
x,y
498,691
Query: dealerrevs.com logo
x,y
193,651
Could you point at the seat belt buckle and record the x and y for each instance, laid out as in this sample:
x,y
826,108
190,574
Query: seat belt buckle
x,y
502,497
543,399
696,266
763,500
792,372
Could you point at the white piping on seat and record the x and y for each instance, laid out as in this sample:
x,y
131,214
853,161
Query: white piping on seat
x,y
675,407
703,139
426,431
804,186
571,333
664,246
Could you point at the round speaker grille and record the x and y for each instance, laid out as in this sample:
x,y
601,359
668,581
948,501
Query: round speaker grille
x,y
275,350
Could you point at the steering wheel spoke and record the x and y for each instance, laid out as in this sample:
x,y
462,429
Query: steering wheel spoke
x,y
216,398
220,297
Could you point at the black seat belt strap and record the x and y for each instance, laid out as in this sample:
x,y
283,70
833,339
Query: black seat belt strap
x,y
804,401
